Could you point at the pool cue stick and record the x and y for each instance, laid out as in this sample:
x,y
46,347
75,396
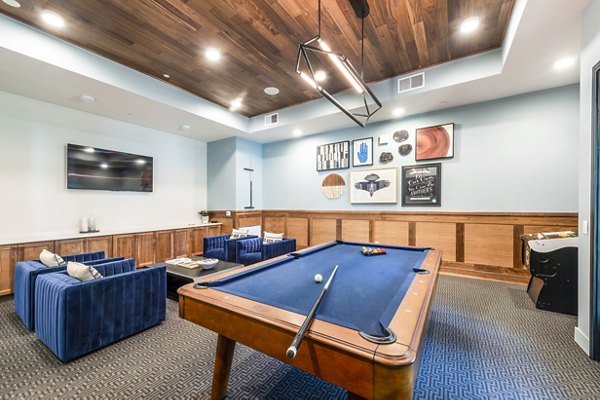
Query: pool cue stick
x,y
293,349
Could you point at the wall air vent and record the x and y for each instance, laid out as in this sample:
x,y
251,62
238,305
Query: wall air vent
x,y
411,82
271,119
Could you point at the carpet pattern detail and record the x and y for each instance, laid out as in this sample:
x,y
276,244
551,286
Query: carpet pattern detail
x,y
486,340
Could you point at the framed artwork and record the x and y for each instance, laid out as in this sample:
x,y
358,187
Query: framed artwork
x,y
422,185
362,152
435,142
333,156
374,186
333,186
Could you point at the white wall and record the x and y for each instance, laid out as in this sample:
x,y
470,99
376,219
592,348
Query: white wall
x,y
590,55
512,154
35,202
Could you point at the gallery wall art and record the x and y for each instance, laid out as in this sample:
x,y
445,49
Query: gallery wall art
x,y
421,185
333,156
333,186
374,186
435,142
362,152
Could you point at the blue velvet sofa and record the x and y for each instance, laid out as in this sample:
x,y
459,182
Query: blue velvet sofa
x,y
221,247
26,273
253,250
73,318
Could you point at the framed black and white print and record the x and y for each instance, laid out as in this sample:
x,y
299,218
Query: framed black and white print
x,y
333,156
362,152
422,185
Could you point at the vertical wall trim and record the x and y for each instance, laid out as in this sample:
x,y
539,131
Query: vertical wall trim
x,y
412,233
518,230
594,223
460,242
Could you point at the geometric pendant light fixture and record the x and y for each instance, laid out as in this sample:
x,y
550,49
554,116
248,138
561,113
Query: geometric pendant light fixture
x,y
363,104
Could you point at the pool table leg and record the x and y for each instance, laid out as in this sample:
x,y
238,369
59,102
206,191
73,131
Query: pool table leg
x,y
223,358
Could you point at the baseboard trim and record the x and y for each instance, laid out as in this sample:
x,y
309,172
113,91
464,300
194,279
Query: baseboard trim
x,y
582,340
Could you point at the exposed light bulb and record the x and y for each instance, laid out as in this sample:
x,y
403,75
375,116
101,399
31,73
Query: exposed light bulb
x,y
347,74
320,75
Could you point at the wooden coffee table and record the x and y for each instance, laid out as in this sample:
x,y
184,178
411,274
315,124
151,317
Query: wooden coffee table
x,y
179,276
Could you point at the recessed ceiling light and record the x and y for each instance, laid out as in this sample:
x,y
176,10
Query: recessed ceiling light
x,y
469,25
86,98
297,132
398,111
272,91
89,150
185,127
53,19
12,3
320,75
167,76
213,54
235,104
104,165
564,63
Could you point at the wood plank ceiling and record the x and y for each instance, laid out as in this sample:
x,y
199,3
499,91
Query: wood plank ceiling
x,y
259,39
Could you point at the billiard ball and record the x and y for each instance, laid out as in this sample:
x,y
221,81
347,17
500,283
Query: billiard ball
x,y
318,278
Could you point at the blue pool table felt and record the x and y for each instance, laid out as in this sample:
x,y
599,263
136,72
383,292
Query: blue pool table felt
x,y
364,294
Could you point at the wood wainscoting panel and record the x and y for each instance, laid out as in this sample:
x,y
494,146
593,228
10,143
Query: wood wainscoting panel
x,y
100,243
438,235
297,228
7,269
68,247
322,230
124,246
275,225
391,232
246,221
355,230
489,244
163,249
529,229
144,249
181,242
31,251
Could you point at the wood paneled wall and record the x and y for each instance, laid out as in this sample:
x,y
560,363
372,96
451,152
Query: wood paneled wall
x,y
145,247
475,244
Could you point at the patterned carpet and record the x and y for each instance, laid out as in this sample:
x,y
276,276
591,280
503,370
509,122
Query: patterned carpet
x,y
486,340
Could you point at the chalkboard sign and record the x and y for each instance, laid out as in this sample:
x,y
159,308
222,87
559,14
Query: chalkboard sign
x,y
421,185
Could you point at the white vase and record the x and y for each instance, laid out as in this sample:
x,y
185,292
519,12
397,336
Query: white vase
x,y
83,225
92,223
204,219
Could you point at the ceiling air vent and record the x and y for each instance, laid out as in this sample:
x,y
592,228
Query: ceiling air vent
x,y
411,82
271,119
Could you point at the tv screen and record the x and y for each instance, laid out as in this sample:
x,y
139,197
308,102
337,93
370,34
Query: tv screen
x,y
92,168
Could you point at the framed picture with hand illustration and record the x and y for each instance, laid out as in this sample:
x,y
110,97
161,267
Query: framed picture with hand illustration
x,y
362,152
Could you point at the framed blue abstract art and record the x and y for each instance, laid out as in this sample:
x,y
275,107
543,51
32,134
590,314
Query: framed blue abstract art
x,y
362,152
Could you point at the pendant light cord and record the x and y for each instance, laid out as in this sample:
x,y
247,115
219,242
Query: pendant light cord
x,y
362,47
319,18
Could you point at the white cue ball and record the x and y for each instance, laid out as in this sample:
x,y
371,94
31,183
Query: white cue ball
x,y
318,278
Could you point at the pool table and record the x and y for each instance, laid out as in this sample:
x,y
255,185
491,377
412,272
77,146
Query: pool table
x,y
385,297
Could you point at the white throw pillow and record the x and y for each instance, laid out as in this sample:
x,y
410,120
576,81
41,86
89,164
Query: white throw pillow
x,y
238,233
269,237
50,259
82,272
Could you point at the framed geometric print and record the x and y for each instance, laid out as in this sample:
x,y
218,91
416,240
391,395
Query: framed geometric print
x,y
333,156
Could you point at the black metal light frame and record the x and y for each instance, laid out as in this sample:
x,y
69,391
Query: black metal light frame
x,y
305,48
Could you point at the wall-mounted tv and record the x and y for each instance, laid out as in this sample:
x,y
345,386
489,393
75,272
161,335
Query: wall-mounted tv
x,y
92,168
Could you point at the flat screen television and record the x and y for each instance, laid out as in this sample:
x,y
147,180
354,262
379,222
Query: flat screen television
x,y
92,168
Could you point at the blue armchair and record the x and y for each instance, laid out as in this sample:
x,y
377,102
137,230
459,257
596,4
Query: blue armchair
x,y
26,273
253,250
73,318
221,247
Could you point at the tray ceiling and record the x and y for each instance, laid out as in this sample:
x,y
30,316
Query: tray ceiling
x,y
259,39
